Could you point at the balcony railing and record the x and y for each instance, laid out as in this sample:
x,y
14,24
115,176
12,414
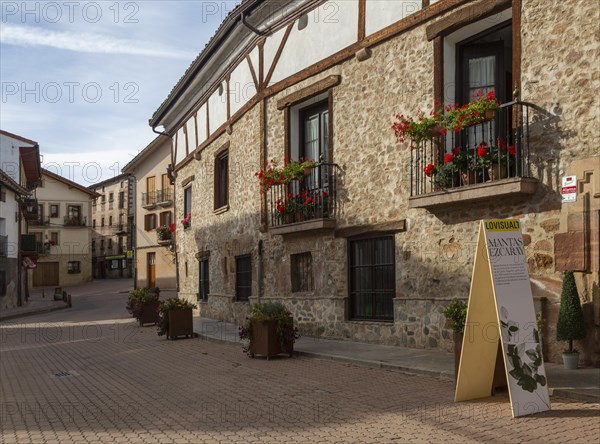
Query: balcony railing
x,y
120,228
39,221
164,197
505,138
315,197
149,199
75,221
3,246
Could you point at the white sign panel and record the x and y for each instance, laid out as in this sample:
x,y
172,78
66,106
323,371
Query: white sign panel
x,y
523,359
569,189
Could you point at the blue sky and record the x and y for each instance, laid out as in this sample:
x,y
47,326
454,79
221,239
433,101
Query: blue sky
x,y
83,78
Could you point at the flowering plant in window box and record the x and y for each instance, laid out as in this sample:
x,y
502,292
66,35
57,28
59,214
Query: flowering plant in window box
x,y
186,222
165,233
417,129
291,170
495,158
479,110
300,204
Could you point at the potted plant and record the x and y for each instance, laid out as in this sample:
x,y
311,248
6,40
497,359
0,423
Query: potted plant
x,y
292,170
175,318
268,330
164,234
417,129
499,156
142,303
298,207
186,221
570,325
481,109
456,314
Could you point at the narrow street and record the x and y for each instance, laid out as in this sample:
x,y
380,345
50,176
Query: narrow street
x,y
90,374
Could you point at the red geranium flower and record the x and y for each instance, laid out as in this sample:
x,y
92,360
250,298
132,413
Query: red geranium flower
x,y
428,170
512,150
481,151
448,158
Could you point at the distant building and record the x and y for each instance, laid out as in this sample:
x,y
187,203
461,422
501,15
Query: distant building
x,y
154,253
112,228
62,232
19,176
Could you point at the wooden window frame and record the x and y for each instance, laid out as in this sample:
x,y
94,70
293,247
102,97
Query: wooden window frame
x,y
302,281
147,225
57,213
242,297
221,185
372,266
187,205
73,267
203,278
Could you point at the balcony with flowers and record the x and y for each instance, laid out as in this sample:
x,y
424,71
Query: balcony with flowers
x,y
301,195
468,153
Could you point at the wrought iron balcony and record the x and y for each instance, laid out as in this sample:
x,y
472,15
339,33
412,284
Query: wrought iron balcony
x,y
164,197
70,221
39,221
120,228
149,199
494,152
311,203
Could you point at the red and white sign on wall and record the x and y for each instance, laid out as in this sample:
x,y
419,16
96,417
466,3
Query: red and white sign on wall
x,y
569,189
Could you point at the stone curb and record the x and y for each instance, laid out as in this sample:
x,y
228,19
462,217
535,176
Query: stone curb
x,y
562,393
31,313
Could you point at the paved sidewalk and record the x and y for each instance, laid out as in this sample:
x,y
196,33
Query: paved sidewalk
x,y
580,385
39,302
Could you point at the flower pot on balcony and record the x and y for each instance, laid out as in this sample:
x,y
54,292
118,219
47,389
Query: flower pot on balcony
x,y
307,171
489,115
148,313
497,172
180,323
468,177
435,131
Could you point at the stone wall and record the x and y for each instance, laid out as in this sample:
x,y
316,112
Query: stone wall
x,y
434,256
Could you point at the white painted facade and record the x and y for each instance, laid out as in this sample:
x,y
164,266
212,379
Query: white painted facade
x,y
8,221
10,156
325,31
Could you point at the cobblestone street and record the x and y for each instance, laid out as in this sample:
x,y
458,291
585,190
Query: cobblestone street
x,y
90,374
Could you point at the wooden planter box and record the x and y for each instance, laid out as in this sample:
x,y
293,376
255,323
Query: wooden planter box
x,y
149,314
265,341
180,324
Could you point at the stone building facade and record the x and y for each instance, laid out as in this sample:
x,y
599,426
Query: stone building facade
x,y
385,252
112,228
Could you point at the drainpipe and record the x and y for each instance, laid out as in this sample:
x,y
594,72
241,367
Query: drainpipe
x,y
260,269
19,258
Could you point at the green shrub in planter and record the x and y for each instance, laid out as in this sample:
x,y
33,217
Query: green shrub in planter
x,y
268,330
456,314
570,325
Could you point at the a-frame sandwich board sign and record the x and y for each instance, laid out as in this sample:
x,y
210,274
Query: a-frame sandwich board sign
x,y
501,308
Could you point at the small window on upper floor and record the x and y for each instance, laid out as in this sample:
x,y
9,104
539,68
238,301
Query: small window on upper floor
x,y
222,180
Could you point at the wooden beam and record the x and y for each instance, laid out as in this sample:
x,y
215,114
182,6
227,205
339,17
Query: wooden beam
x,y
227,79
438,70
516,46
288,30
469,14
187,181
308,92
424,4
384,227
261,64
362,6
252,71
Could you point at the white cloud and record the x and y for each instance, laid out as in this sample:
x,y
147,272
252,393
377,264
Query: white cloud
x,y
11,34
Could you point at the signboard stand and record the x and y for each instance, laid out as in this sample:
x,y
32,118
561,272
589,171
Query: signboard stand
x,y
501,308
